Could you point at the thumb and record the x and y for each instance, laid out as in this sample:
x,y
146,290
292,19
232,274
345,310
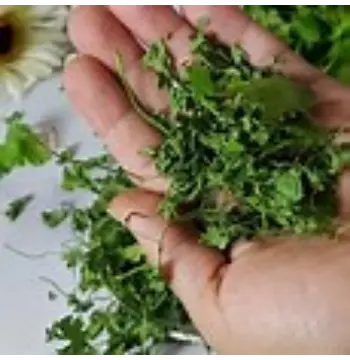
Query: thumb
x,y
193,271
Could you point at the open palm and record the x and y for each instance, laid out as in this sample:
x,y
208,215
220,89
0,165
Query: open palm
x,y
275,296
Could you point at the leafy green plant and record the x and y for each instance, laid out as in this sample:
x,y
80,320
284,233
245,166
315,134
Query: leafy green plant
x,y
21,146
245,165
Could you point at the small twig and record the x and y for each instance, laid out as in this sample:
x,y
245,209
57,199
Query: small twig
x,y
31,256
132,272
54,285
185,338
160,302
100,298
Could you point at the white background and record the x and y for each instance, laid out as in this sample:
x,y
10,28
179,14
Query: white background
x,y
25,310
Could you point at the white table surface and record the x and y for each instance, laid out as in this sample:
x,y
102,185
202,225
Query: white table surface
x,y
25,310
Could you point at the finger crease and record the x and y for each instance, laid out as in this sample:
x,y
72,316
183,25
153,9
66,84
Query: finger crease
x,y
179,42
112,129
126,219
109,137
217,276
243,33
142,179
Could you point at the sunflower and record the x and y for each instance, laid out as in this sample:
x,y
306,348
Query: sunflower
x,y
33,43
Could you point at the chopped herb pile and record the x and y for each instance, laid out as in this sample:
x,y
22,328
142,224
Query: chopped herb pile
x,y
320,33
239,151
139,312
245,164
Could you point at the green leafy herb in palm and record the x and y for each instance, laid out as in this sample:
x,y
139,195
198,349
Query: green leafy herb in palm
x,y
320,33
246,164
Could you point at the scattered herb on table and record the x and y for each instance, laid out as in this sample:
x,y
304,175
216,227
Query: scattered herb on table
x,y
17,207
54,218
21,146
107,258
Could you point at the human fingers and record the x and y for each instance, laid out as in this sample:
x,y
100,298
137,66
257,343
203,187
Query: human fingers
x,y
192,270
158,22
98,97
95,31
232,26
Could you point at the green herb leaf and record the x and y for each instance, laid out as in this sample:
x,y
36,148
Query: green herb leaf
x,y
157,58
67,156
200,80
17,207
133,253
22,146
289,185
265,91
216,237
343,74
54,218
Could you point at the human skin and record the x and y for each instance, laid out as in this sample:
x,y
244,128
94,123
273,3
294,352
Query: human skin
x,y
273,296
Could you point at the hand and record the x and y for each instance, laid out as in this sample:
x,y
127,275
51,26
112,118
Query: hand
x,y
277,296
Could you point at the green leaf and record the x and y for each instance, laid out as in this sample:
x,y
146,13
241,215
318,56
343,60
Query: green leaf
x,y
343,74
36,151
74,178
55,218
289,185
217,237
200,80
80,220
73,257
133,253
308,28
265,91
22,146
17,207
233,146
157,58
97,325
71,329
67,156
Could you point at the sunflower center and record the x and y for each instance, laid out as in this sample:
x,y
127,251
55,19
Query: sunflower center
x,y
6,38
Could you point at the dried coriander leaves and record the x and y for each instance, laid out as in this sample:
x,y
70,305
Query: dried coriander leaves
x,y
240,150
